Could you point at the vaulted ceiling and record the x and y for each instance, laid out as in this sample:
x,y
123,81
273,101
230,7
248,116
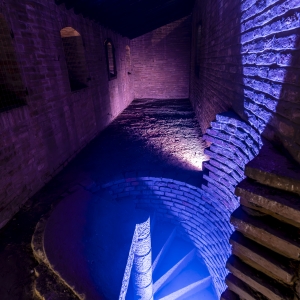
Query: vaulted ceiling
x,y
131,18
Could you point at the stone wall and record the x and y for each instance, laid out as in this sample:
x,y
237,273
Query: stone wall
x,y
249,61
215,82
160,61
39,138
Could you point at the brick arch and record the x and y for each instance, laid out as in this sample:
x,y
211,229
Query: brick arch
x,y
68,32
110,59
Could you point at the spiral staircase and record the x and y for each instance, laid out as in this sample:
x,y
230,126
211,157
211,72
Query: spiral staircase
x,y
177,272
105,249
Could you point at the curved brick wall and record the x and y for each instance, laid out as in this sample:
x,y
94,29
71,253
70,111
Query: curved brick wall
x,y
202,214
233,144
204,222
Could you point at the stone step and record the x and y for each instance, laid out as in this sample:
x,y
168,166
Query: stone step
x,y
241,289
47,286
207,294
267,286
229,295
183,287
177,258
263,259
280,204
269,232
274,169
192,279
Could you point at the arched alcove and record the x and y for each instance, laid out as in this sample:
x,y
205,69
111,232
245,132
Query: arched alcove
x,y
110,59
75,58
198,49
12,89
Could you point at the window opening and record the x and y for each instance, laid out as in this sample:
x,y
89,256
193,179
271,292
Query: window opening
x,y
110,59
198,49
128,60
75,58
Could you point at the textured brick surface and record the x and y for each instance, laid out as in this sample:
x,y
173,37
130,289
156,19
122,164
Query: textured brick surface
x,y
233,144
249,60
123,150
38,139
161,61
202,219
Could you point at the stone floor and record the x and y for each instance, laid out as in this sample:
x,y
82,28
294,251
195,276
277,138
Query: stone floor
x,y
157,136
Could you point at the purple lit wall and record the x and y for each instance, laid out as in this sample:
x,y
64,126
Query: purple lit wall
x,y
161,61
38,139
249,68
249,61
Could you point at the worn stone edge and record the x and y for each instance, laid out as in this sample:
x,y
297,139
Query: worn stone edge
x,y
37,246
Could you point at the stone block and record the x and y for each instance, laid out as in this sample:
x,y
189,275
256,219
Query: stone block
x,y
269,232
282,205
242,290
263,259
274,169
258,281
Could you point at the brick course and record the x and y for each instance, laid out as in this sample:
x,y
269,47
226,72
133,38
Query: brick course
x,y
160,61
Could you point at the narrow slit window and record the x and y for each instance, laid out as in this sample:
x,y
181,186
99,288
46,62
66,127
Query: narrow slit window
x,y
12,89
110,59
128,60
75,58
198,49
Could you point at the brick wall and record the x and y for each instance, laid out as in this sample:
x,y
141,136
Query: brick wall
x,y
76,64
249,61
160,61
38,139
12,89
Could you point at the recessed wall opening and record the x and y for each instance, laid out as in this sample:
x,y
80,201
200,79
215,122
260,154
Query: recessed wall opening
x,y
12,89
110,59
198,48
128,60
75,58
